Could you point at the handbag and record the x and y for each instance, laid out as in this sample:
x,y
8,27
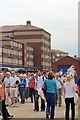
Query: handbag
x,y
40,92
44,87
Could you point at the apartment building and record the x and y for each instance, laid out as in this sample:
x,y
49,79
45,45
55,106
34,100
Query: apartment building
x,y
57,54
28,55
12,55
37,38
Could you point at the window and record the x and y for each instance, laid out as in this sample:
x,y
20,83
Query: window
x,y
58,54
0,59
0,54
9,55
5,59
16,44
0,49
20,62
9,51
20,46
53,56
20,53
8,60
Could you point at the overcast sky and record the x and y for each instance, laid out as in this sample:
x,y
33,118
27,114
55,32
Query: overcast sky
x,y
58,17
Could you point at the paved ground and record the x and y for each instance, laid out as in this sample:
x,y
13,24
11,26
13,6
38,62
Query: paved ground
x,y
26,111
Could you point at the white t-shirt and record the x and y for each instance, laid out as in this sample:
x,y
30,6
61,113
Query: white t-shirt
x,y
27,81
13,81
40,82
7,81
69,89
59,85
73,80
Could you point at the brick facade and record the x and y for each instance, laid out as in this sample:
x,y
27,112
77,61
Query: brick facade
x,y
37,38
67,61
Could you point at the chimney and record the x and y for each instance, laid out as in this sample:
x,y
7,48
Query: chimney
x,y
28,22
75,56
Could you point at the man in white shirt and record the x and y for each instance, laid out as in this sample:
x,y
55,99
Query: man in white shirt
x,y
14,81
39,84
59,85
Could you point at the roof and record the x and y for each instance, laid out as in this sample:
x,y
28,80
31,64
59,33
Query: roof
x,y
54,50
66,57
77,58
10,28
18,27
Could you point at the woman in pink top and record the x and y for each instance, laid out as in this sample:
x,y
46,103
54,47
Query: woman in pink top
x,y
32,84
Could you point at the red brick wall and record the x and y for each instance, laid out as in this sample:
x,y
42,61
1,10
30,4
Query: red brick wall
x,y
28,36
24,55
66,61
37,53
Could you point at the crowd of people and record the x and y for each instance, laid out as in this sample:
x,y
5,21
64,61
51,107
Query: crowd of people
x,y
16,88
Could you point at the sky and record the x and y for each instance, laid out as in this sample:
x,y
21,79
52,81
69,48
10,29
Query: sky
x,y
58,17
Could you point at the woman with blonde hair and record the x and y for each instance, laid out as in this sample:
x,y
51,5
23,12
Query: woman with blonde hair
x,y
69,90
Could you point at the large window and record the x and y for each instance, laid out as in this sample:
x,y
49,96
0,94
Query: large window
x,y
0,54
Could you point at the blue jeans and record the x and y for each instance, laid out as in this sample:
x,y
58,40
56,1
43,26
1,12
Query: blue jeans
x,y
51,100
22,94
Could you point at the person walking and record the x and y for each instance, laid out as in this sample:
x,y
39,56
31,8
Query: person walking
x,y
22,88
39,83
32,84
69,90
14,81
7,87
5,113
51,90
78,84
59,85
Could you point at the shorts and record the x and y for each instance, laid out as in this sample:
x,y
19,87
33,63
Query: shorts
x,y
14,92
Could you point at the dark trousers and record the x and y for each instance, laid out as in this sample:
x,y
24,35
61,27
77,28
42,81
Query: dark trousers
x,y
69,101
32,93
37,102
58,97
27,93
5,112
22,94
